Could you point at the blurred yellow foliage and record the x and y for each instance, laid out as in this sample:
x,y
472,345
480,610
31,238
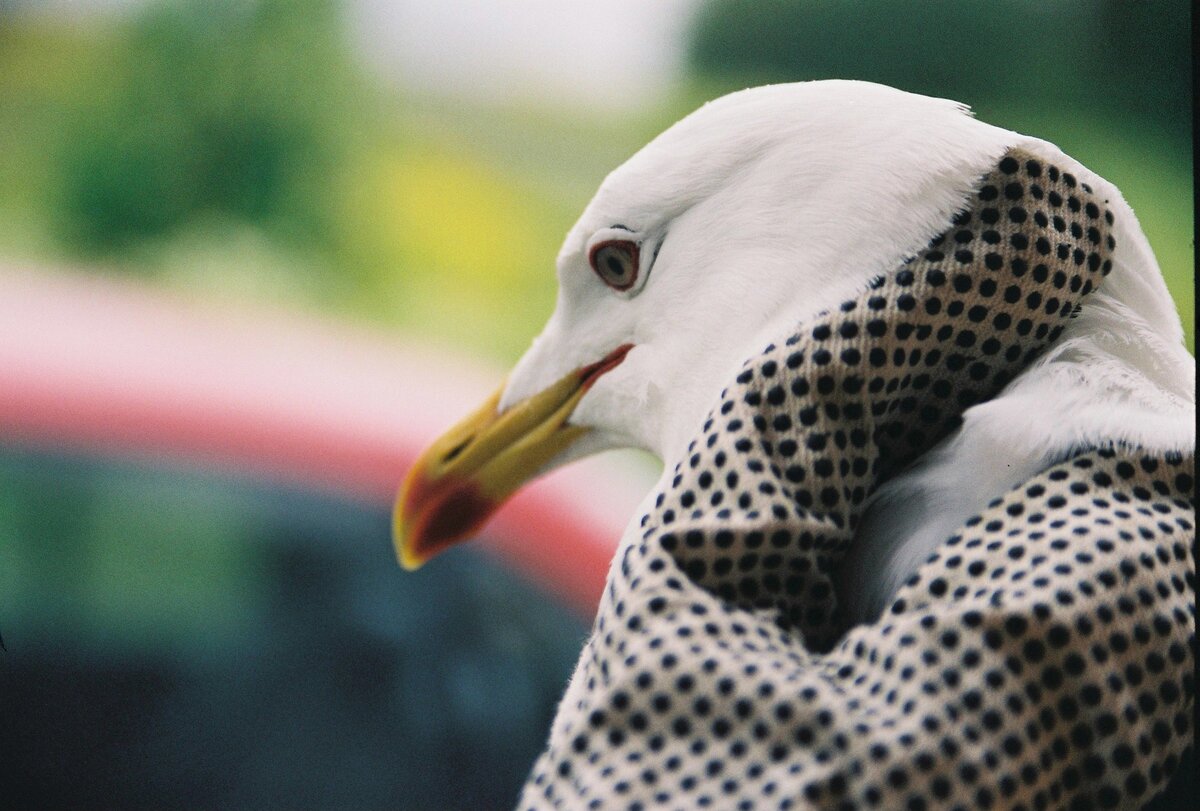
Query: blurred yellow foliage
x,y
465,252
464,216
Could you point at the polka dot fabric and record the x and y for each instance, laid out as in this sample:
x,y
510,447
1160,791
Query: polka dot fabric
x,y
1042,658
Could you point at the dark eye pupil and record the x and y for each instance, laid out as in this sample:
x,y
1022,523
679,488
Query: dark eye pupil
x,y
614,262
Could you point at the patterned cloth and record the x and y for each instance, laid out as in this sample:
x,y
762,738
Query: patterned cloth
x,y
1041,658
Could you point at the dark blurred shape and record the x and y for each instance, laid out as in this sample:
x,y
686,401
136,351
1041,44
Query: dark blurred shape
x,y
229,108
1113,58
266,653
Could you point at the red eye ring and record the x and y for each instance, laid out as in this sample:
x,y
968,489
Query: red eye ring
x,y
609,267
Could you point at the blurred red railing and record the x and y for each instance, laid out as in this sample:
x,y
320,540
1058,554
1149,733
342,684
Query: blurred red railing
x,y
117,368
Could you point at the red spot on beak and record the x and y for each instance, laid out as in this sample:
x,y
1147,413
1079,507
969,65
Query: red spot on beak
x,y
448,511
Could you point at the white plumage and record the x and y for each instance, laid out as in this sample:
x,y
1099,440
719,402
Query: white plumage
x,y
769,205
789,296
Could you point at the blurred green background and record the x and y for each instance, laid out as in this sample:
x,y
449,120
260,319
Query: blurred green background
x,y
239,147
264,151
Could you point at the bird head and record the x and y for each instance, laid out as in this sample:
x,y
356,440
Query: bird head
x,y
759,208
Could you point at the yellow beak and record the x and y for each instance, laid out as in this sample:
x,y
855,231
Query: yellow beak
x,y
468,472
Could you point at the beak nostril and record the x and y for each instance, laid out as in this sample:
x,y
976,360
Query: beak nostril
x,y
456,450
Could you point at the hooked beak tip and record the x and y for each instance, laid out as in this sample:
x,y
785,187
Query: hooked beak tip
x,y
434,513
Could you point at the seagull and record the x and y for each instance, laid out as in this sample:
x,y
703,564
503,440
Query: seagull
x,y
778,201
867,334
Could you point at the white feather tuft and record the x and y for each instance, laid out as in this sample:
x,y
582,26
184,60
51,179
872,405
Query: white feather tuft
x,y
1119,375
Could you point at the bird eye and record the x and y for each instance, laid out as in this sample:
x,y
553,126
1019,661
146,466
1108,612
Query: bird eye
x,y
616,263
